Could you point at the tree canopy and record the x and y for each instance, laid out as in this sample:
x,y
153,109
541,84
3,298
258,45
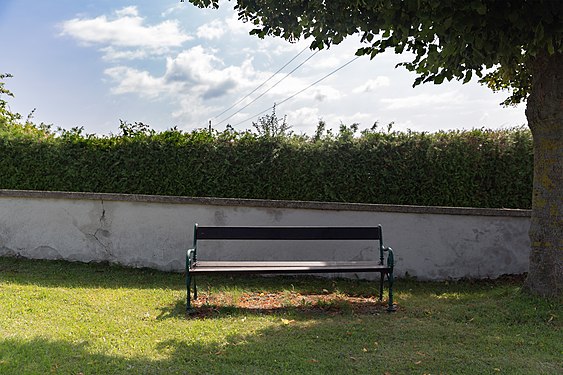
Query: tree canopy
x,y
511,44
496,41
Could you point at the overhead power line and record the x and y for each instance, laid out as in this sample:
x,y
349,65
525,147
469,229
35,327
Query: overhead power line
x,y
263,83
271,87
299,92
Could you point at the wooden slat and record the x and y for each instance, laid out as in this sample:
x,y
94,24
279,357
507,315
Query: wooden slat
x,y
293,263
288,233
207,267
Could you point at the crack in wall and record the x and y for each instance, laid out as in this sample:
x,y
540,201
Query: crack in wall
x,y
104,232
106,247
102,218
85,230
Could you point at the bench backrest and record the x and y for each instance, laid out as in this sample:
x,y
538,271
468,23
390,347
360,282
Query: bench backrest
x,y
288,233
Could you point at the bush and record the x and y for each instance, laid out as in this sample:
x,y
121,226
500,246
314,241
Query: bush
x,y
477,168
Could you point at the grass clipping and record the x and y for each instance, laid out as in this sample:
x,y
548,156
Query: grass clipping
x,y
275,302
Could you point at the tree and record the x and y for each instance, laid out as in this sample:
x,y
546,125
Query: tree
x,y
11,123
7,117
270,126
512,44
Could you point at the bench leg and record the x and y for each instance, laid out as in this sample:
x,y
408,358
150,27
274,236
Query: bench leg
x,y
195,289
390,306
188,297
381,286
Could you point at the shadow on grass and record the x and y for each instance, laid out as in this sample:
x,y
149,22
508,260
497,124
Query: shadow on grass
x,y
459,327
410,294
323,346
420,298
104,275
311,306
282,349
50,273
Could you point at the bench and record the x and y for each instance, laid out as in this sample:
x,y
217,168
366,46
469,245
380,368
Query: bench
x,y
194,266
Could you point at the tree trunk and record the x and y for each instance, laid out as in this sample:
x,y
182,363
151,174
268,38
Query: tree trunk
x,y
544,112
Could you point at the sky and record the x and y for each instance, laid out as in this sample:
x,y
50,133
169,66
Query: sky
x,y
166,64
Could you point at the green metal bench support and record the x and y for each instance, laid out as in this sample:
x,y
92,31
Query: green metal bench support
x,y
390,278
193,266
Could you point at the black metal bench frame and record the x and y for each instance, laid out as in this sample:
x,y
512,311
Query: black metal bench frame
x,y
196,267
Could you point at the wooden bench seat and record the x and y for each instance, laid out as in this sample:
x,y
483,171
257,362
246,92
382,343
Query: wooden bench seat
x,y
283,267
194,266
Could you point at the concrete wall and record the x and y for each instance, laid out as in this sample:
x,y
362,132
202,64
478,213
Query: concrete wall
x,y
155,231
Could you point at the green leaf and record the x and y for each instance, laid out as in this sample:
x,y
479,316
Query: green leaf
x,y
468,76
481,9
550,48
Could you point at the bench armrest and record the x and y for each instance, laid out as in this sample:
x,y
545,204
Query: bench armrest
x,y
190,258
390,256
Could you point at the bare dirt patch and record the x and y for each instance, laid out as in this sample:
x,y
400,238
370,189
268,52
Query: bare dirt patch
x,y
267,303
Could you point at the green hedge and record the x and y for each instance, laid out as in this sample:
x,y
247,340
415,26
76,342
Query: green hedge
x,y
477,168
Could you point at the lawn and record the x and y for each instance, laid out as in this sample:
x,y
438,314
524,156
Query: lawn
x,y
72,318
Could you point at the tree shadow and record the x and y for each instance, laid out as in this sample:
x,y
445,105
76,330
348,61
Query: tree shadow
x,y
295,345
285,348
343,335
303,305
54,273
58,273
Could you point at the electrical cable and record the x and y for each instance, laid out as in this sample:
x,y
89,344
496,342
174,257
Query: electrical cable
x,y
271,87
263,83
299,92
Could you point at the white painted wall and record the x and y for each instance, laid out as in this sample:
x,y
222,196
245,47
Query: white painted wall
x,y
149,231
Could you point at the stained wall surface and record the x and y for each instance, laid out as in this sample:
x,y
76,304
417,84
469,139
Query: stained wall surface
x,y
430,243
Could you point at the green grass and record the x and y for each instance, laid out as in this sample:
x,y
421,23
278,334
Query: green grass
x,y
71,318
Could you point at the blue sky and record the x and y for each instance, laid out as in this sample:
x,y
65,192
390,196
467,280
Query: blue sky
x,y
165,63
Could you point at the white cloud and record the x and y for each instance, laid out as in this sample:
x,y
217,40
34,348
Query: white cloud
x,y
192,80
127,32
196,78
212,30
328,62
364,119
127,11
276,47
190,109
372,84
131,80
205,73
333,120
302,118
175,8
437,100
236,26
322,93
110,53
